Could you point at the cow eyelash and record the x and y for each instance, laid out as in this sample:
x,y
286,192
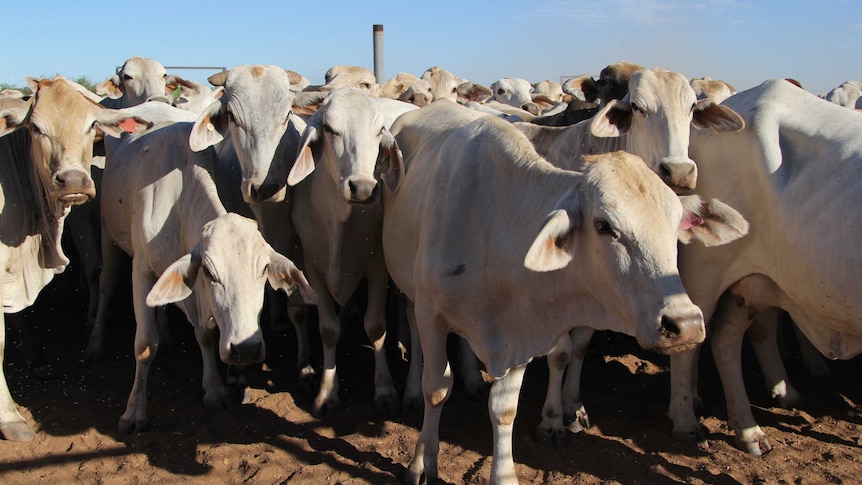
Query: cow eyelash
x,y
329,129
604,228
209,275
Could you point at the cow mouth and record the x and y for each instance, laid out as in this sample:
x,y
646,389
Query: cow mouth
x,y
73,199
675,349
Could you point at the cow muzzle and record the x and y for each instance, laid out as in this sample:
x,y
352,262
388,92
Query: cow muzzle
x,y
678,174
245,353
359,190
264,192
675,332
73,186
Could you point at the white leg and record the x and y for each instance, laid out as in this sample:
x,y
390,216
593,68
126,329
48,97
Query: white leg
x,y
385,396
551,429
574,414
12,424
763,334
436,388
413,389
728,327
503,406
684,397
217,395
146,348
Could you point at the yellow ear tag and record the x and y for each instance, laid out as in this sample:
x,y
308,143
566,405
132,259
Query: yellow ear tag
x,y
210,127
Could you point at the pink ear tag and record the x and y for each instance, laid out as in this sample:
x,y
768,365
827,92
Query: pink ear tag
x,y
129,125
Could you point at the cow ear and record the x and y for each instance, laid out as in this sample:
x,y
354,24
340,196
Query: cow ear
x,y
613,120
720,119
111,87
468,91
304,163
395,172
283,274
711,223
582,87
211,126
554,246
13,118
187,88
175,284
115,123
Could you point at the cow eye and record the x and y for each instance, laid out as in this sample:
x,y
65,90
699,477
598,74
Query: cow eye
x,y
208,274
501,91
637,109
329,129
603,228
127,77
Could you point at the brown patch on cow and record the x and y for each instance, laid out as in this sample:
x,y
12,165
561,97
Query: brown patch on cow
x,y
486,377
437,398
257,71
561,360
551,414
507,417
145,354
328,337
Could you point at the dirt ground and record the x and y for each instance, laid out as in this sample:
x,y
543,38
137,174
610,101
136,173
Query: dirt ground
x,y
273,439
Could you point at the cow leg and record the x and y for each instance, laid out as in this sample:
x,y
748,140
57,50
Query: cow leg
x,y
217,395
146,347
12,424
436,388
413,389
385,396
502,407
812,359
763,334
82,226
728,328
112,258
574,414
297,313
551,429
327,399
684,397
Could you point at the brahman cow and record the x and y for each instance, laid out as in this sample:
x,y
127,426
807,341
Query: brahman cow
x,y
162,208
518,251
712,89
795,176
846,95
256,136
45,154
338,216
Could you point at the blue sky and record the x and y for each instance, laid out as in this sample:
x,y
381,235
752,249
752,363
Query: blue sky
x,y
743,42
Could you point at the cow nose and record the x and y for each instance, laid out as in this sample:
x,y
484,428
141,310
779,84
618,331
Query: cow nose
x,y
678,174
73,186
361,190
419,100
679,330
246,352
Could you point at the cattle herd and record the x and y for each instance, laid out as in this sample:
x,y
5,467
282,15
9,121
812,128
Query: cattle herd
x,y
520,217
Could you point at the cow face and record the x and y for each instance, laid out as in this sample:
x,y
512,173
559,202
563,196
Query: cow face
x,y
348,135
419,93
444,84
628,222
254,107
512,91
139,79
63,125
227,272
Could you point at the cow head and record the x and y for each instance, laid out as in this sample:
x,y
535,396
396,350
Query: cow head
x,y
254,107
444,84
139,79
657,113
514,92
227,271
629,222
348,134
63,124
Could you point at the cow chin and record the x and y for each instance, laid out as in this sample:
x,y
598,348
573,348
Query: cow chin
x,y
243,353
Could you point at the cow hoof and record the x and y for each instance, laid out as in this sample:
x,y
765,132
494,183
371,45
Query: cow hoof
x,y
127,426
753,441
387,404
579,422
551,437
324,408
17,431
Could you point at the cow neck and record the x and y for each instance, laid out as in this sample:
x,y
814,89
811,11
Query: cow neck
x,y
199,201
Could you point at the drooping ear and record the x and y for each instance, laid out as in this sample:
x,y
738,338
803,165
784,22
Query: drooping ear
x,y
187,88
720,119
211,126
304,163
111,87
115,123
542,102
175,284
711,223
468,91
13,118
583,87
389,149
283,274
613,120
554,246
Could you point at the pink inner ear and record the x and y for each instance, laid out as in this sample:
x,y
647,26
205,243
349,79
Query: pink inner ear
x,y
690,220
128,125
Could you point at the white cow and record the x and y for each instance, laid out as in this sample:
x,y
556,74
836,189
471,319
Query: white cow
x,y
515,92
846,95
338,215
470,182
256,136
655,116
713,89
45,154
162,208
550,89
796,178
